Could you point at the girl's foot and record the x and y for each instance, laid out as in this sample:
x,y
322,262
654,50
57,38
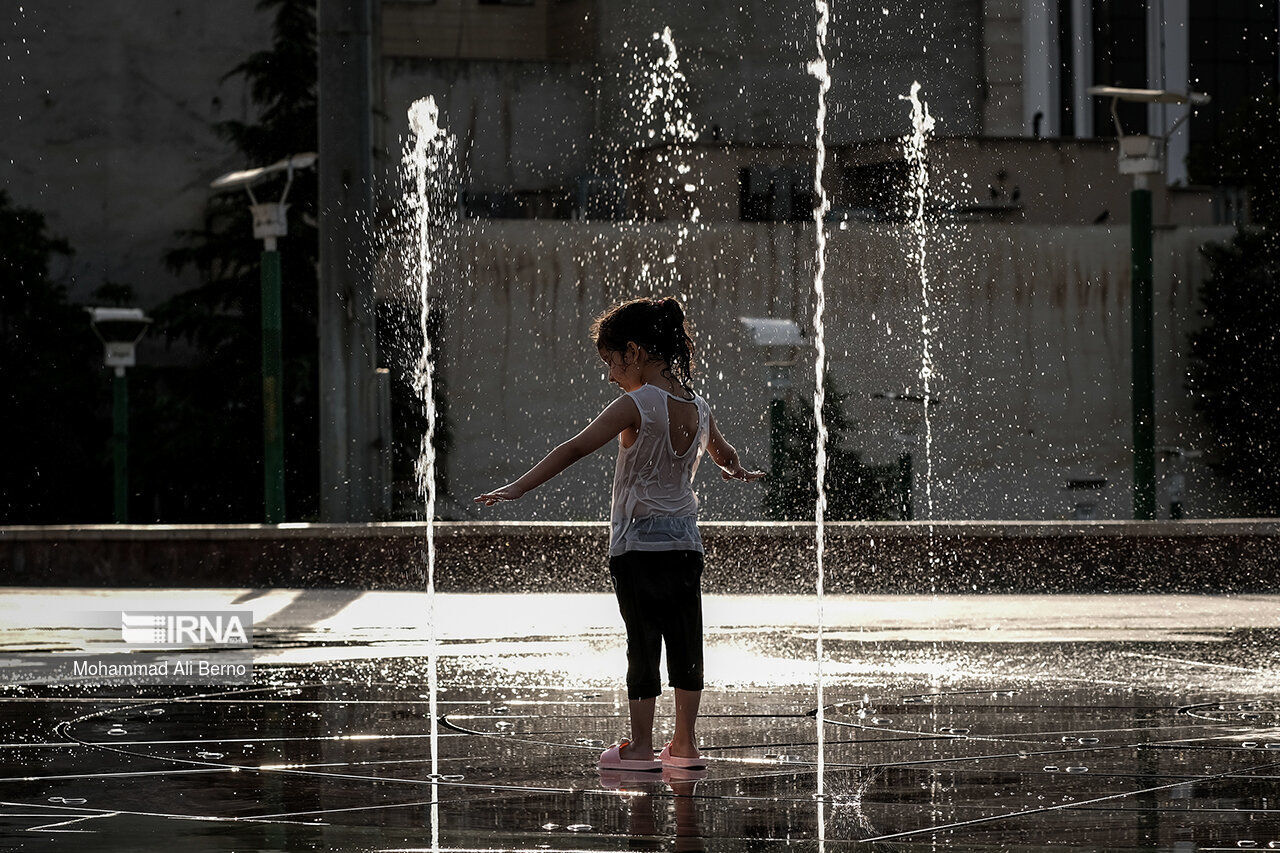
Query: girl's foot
x,y
683,750
684,756
631,752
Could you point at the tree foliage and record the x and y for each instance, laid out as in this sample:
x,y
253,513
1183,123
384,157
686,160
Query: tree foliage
x,y
1235,365
52,384
855,490
1235,357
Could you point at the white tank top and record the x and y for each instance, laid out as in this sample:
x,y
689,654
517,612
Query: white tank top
x,y
654,505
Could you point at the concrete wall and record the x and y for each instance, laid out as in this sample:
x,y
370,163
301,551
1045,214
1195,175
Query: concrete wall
x,y
1039,181
1002,63
464,29
745,63
1030,341
518,124
108,108
525,120
975,179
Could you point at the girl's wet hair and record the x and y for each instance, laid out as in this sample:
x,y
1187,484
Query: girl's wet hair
x,y
658,325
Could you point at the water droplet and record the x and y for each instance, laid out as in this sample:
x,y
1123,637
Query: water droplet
x,y
579,827
116,730
151,712
550,826
206,754
1077,769
1051,768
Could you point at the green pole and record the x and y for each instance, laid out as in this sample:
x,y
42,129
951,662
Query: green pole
x,y
120,445
272,389
1144,455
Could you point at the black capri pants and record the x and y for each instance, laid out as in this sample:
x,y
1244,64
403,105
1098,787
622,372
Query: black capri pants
x,y
660,598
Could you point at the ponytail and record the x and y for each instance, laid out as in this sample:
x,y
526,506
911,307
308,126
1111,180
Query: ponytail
x,y
658,325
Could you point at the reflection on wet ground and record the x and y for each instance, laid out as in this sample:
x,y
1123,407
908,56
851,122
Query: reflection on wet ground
x,y
1091,735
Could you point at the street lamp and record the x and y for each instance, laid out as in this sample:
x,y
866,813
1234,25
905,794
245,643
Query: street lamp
x,y
1142,155
774,335
270,221
119,329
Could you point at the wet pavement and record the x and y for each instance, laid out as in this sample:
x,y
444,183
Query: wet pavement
x,y
957,723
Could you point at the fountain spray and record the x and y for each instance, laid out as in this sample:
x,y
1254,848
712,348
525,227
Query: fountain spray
x,y
425,161
818,68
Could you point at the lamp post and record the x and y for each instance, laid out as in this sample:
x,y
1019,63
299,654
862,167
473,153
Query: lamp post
x,y
1142,155
270,221
119,329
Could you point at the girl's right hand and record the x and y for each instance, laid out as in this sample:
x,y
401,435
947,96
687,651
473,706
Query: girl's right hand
x,y
508,492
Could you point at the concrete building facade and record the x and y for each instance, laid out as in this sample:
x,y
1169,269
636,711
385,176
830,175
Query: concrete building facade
x,y
111,123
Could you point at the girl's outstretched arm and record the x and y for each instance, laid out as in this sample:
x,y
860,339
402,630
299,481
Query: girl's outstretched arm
x,y
724,455
617,416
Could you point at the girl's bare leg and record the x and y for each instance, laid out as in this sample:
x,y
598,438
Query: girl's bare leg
x,y
641,746
684,743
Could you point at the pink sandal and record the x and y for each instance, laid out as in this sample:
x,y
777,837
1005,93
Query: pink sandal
x,y
611,759
669,760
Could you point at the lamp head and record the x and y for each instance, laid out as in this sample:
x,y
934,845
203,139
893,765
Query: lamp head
x,y
248,177
1142,154
773,332
1149,96
119,329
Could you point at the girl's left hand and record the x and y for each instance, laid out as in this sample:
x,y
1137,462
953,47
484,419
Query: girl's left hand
x,y
740,473
508,492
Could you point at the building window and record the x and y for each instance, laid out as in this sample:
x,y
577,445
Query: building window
x,y
876,192
775,195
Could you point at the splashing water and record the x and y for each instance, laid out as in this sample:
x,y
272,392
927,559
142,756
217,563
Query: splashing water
x,y
669,121
818,68
915,151
425,162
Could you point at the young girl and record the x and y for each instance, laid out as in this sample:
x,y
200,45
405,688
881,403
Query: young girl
x,y
655,552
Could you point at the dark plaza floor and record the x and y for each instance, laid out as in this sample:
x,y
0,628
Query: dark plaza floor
x,y
957,723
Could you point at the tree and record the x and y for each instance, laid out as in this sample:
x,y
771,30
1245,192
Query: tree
x,y
855,491
1235,364
56,427
206,416
1234,374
